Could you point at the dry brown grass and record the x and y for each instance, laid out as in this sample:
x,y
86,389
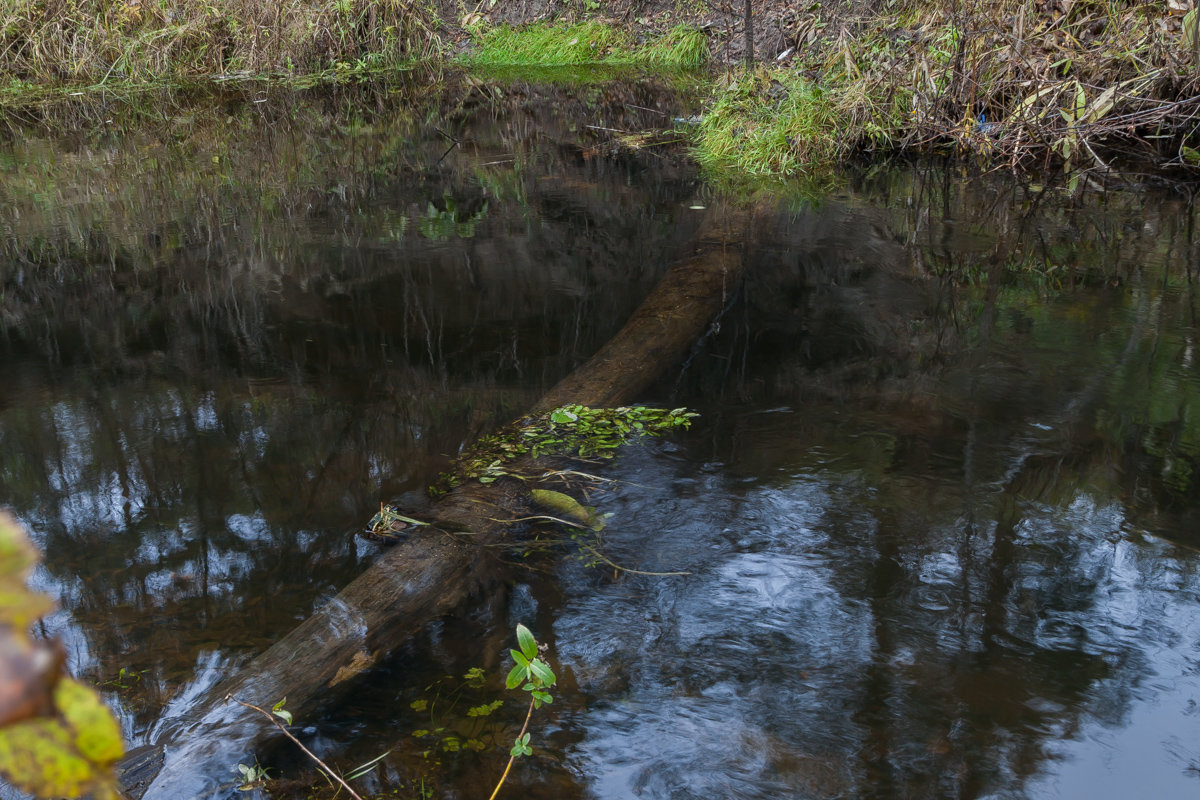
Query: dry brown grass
x,y
1019,82
93,41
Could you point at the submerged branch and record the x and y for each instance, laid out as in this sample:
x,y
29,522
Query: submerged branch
x,y
283,729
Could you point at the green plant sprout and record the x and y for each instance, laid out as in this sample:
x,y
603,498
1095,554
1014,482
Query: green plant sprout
x,y
449,731
277,713
533,675
281,712
253,776
125,679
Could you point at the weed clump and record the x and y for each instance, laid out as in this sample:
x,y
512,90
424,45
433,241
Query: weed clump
x,y
761,124
683,47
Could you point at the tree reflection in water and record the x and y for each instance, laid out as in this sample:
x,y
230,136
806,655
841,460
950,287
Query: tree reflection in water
x,y
939,509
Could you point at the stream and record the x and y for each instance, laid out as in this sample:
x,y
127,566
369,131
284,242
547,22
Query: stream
x,y
938,513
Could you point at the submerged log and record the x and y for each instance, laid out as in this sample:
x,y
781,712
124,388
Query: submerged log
x,y
438,568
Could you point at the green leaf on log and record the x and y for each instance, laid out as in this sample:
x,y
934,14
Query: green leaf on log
x,y
568,507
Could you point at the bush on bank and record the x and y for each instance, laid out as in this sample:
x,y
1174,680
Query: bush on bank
x,y
1073,82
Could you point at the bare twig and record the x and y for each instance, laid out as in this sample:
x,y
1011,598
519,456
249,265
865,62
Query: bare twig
x,y
601,557
324,767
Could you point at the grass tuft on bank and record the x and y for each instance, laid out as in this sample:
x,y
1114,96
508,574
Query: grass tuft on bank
x,y
683,47
762,125
548,45
585,43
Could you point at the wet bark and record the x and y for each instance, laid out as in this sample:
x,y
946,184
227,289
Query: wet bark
x,y
441,566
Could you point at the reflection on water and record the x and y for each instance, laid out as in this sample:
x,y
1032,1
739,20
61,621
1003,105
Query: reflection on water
x,y
938,514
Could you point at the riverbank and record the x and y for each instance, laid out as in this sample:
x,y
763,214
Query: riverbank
x,y
1079,84
1019,84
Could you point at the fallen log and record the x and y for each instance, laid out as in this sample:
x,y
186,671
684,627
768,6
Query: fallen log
x,y
438,567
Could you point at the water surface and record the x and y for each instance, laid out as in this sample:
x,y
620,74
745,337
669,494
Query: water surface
x,y
937,513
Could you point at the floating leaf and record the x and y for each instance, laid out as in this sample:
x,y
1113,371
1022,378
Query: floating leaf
x,y
484,710
474,677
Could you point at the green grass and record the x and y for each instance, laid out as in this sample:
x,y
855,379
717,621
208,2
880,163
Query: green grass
x,y
760,125
587,43
684,47
551,46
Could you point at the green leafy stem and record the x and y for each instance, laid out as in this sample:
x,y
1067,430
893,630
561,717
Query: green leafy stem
x,y
571,431
534,676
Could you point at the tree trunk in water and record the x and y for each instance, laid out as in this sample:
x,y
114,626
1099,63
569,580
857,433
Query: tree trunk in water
x,y
437,569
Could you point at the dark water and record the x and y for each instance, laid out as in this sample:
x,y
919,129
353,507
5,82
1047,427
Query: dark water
x,y
939,511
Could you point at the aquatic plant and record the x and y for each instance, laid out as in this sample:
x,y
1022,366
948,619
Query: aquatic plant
x,y
448,729
534,676
573,431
